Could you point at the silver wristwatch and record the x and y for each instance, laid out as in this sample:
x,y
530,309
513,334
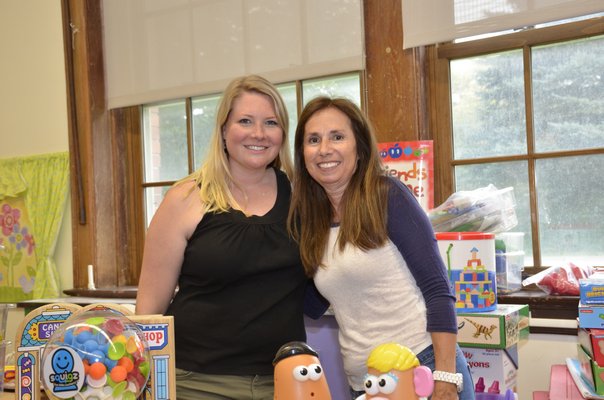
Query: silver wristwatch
x,y
450,377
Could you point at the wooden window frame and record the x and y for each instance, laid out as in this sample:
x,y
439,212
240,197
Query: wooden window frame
x,y
104,149
439,72
106,171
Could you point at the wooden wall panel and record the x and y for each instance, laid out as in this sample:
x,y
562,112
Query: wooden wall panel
x,y
395,85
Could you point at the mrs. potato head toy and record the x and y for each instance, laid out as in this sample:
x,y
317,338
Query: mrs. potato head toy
x,y
394,373
299,374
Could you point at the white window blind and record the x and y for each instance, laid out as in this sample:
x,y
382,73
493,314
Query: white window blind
x,y
164,49
433,21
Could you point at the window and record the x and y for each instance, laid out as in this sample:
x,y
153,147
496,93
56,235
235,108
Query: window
x,y
171,149
525,110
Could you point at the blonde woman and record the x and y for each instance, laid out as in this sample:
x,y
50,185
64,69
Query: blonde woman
x,y
220,236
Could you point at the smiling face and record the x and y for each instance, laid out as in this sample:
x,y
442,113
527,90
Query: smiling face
x,y
252,133
330,149
62,361
300,377
394,385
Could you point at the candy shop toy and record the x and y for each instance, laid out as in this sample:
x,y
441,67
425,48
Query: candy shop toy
x,y
33,333
96,355
298,374
394,373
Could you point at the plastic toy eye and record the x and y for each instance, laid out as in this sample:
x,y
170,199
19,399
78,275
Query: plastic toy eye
x,y
387,383
371,385
301,373
315,372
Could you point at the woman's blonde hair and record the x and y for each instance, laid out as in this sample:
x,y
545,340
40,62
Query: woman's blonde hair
x,y
214,176
363,205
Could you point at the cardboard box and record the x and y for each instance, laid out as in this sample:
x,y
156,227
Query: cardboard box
x,y
591,290
590,371
591,316
497,329
592,341
497,367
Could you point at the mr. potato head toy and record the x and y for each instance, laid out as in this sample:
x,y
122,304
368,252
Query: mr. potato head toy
x,y
299,374
394,373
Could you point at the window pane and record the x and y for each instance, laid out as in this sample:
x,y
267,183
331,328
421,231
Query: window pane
x,y
288,92
568,95
571,210
487,97
165,141
204,119
502,175
348,86
153,197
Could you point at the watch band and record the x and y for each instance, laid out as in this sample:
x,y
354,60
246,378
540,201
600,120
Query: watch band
x,y
449,377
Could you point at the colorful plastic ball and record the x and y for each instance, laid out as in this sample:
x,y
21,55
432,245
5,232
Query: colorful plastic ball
x,y
118,373
127,363
102,352
97,370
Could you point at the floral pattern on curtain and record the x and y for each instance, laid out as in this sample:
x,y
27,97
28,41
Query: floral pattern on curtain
x,y
33,191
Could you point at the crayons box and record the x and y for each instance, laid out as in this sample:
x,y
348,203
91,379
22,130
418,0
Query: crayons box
x,y
496,367
497,329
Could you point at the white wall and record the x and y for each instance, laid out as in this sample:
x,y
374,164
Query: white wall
x,y
33,103
535,358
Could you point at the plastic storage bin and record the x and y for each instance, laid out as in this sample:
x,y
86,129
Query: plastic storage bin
x,y
509,261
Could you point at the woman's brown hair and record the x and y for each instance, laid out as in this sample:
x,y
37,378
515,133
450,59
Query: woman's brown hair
x,y
363,205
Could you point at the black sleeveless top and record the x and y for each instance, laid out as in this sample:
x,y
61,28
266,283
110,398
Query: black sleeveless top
x,y
241,290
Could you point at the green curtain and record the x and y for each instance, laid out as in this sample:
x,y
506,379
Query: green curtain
x,y
44,181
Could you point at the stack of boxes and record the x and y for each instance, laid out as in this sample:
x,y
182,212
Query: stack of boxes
x,y
590,348
479,266
489,341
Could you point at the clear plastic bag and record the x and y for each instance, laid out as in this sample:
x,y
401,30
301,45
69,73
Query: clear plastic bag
x,y
486,209
560,280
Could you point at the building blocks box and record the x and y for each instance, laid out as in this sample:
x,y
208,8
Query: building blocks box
x,y
492,365
497,329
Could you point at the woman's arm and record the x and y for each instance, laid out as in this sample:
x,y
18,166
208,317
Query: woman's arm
x,y
165,243
410,230
444,356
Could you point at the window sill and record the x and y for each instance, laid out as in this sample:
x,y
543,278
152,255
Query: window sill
x,y
122,292
544,306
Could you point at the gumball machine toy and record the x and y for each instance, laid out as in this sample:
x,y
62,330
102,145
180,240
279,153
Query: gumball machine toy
x,y
97,354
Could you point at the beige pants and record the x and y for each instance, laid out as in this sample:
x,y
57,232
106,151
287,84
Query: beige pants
x,y
195,386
